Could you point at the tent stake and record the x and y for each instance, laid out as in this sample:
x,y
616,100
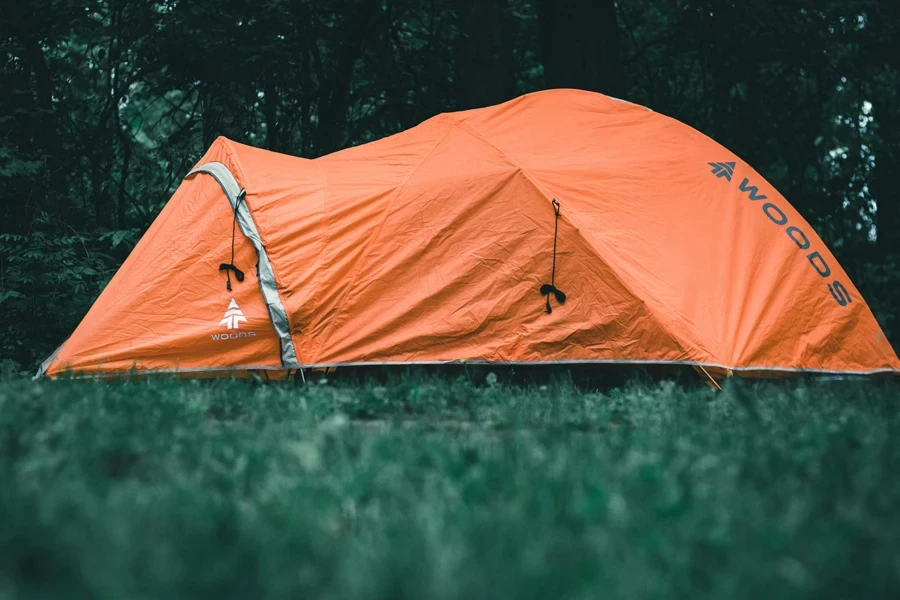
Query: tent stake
x,y
718,387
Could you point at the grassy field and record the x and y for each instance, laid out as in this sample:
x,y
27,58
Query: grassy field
x,y
435,488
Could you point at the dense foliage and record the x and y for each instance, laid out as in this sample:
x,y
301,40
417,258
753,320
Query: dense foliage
x,y
436,489
105,104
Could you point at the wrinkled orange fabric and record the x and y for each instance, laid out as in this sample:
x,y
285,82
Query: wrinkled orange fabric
x,y
431,245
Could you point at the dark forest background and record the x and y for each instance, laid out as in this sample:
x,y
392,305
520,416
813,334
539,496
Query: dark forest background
x,y
105,104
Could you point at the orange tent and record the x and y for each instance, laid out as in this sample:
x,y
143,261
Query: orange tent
x,y
560,227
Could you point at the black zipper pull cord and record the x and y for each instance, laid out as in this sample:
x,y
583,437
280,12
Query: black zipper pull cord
x,y
550,288
228,267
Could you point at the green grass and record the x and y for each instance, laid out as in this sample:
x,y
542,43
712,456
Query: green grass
x,y
427,488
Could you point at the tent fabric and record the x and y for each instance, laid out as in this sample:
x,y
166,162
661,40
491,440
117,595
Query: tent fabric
x,y
267,283
431,246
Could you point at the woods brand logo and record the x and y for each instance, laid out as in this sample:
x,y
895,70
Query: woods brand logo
x,y
233,316
723,169
778,216
232,320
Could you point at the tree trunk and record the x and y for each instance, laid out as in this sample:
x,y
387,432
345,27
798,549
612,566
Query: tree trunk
x,y
122,197
884,186
47,124
580,47
484,71
884,191
270,112
334,99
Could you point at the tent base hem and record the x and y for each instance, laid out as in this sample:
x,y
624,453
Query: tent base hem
x,y
716,370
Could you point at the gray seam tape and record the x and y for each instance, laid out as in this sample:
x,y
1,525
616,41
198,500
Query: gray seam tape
x,y
819,372
42,371
267,284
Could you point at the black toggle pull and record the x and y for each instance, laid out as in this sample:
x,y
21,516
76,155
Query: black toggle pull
x,y
550,288
229,267
239,275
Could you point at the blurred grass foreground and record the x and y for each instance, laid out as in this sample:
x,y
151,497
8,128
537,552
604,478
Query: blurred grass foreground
x,y
435,488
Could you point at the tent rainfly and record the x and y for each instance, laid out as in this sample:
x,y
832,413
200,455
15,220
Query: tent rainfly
x,y
560,227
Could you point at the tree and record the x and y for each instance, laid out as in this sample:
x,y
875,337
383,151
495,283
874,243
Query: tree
x,y
106,104
580,45
484,58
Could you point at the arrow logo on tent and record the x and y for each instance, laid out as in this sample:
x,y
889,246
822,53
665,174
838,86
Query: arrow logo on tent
x,y
233,316
722,169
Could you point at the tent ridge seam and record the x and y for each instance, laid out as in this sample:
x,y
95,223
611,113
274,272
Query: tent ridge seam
x,y
241,177
357,268
583,232
326,238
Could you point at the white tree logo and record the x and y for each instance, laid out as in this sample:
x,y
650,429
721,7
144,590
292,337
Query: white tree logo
x,y
233,316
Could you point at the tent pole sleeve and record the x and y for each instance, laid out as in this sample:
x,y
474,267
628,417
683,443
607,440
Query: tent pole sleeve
x,y
267,284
